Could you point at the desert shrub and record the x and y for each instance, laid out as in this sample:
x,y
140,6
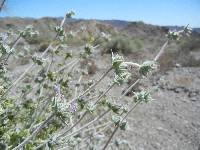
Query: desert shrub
x,y
186,54
75,41
33,40
138,44
89,65
168,60
25,61
9,25
54,105
120,43
43,46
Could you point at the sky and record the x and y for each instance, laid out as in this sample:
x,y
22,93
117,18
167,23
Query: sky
x,y
157,12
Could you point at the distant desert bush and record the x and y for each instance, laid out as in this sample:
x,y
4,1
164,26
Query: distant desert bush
x,y
121,43
43,46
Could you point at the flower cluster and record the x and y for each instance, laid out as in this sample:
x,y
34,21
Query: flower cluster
x,y
187,30
176,35
60,32
60,105
90,107
59,102
120,68
87,51
142,96
3,37
2,69
70,14
118,121
38,60
73,107
115,107
28,32
106,36
146,67
4,47
1,110
2,90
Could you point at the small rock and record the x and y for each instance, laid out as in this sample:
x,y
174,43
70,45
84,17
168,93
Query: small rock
x,y
178,65
178,90
194,99
192,94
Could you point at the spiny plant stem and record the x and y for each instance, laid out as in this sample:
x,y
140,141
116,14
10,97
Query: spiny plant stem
x,y
92,86
108,124
30,67
2,4
161,51
25,72
116,128
113,133
75,94
132,64
76,89
34,133
108,89
12,47
105,125
67,65
38,114
98,127
41,145
84,114
88,124
136,104
129,88
63,132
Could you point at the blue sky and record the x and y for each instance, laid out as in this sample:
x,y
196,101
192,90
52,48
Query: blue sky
x,y
159,12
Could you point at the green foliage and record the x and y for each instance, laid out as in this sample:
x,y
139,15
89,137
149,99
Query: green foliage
x,y
176,35
121,72
143,96
59,105
119,121
70,14
90,108
28,32
123,44
3,70
60,32
116,108
38,60
4,47
2,90
43,46
173,35
87,51
81,103
147,67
